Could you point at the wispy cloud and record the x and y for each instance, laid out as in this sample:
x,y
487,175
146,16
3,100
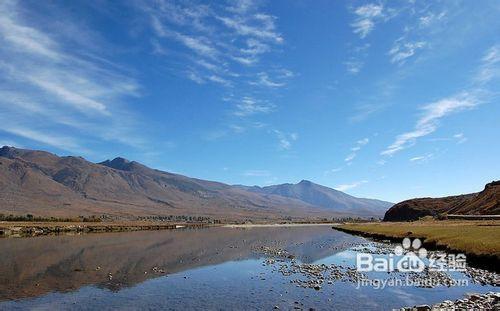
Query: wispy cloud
x,y
432,113
354,66
460,138
279,79
345,187
57,84
248,106
354,150
490,67
357,58
51,139
223,44
401,50
366,17
286,139
430,18
429,121
264,80
260,26
223,35
199,44
423,158
332,171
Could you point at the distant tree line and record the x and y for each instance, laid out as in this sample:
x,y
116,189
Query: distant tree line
x,y
175,218
30,217
181,218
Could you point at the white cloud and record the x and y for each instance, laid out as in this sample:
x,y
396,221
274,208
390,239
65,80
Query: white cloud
x,y
350,157
460,138
359,144
279,78
219,80
401,51
225,44
333,171
423,158
345,187
255,47
431,18
249,106
264,80
200,45
366,18
61,81
260,26
241,6
239,38
194,76
490,65
429,121
54,140
286,139
354,66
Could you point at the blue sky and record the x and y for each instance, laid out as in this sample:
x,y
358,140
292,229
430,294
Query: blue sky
x,y
381,99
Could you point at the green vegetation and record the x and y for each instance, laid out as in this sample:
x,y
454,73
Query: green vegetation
x,y
480,238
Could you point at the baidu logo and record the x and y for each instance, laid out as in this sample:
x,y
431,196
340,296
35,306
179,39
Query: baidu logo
x,y
413,254
407,257
410,256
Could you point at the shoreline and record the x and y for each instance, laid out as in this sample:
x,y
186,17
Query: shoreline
x,y
13,229
33,229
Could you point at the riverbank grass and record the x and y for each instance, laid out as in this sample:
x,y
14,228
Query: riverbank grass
x,y
480,238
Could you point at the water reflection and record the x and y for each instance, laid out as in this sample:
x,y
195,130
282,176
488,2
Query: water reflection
x,y
31,267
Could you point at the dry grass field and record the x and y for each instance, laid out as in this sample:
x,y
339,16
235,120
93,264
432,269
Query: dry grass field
x,y
471,237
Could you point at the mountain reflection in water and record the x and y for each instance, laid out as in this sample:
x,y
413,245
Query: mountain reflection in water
x,y
31,267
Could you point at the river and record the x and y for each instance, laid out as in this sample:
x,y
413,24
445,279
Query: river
x,y
211,269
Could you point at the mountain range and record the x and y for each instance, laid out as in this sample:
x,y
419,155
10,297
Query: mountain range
x,y
44,184
322,196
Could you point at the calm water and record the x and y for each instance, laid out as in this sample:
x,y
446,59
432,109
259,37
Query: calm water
x,y
215,268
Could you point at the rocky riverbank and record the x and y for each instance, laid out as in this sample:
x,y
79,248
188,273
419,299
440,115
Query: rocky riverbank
x,y
316,276
488,301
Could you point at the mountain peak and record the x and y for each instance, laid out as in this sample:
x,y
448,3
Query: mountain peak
x,y
8,152
492,184
120,160
118,163
305,182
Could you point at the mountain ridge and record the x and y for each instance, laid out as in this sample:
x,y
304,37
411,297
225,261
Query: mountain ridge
x,y
42,183
326,197
485,202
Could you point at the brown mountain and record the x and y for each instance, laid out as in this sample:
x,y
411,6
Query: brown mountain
x,y
486,202
319,195
44,184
